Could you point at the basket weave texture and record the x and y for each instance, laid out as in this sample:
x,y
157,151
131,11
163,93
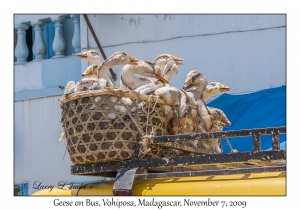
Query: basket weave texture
x,y
93,137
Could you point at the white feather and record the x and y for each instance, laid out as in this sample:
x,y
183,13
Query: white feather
x,y
62,137
69,86
100,84
168,112
119,108
133,109
126,101
112,99
104,107
98,99
111,116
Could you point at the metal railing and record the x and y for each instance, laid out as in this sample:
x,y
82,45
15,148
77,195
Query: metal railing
x,y
204,164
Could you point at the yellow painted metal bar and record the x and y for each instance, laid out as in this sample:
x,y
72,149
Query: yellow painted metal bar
x,y
268,183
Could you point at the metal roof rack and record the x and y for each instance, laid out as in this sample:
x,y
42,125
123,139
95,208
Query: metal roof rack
x,y
202,163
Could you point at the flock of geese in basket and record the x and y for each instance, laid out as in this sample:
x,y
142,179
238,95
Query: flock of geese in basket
x,y
157,75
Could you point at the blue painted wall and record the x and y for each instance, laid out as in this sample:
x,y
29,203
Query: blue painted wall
x,y
45,78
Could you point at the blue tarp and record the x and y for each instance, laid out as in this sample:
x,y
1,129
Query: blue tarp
x,y
262,109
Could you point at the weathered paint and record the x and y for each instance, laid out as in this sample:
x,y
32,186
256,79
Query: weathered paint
x,y
123,29
245,52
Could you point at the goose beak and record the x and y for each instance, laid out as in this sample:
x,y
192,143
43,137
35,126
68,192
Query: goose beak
x,y
82,55
133,60
159,75
226,121
84,74
224,88
178,60
88,72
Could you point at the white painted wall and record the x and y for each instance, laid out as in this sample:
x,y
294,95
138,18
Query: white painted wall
x,y
245,52
44,78
38,155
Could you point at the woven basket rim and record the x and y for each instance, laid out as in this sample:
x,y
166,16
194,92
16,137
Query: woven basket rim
x,y
114,92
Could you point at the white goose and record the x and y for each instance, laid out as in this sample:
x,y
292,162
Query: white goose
x,y
170,95
218,117
202,92
170,70
209,116
84,84
148,69
218,114
198,82
90,56
96,77
118,58
101,69
213,88
219,120
94,58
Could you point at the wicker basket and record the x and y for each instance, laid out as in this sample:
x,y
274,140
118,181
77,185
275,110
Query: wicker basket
x,y
93,137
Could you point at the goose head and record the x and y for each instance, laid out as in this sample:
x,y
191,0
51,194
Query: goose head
x,y
155,71
90,56
225,120
219,115
91,71
214,88
118,58
194,80
171,68
163,59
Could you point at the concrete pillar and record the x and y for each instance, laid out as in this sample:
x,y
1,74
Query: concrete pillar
x,y
21,51
59,43
76,36
39,48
